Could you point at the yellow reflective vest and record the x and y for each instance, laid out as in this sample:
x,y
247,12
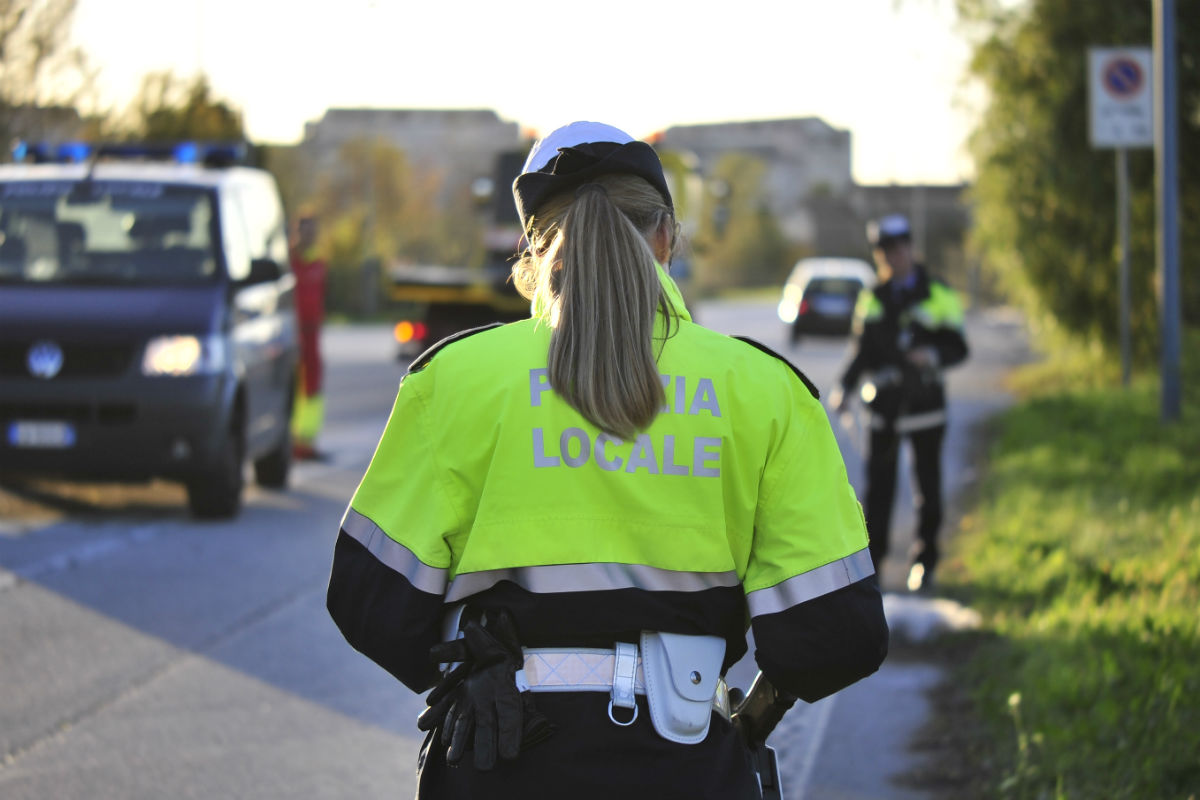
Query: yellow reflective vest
x,y
487,487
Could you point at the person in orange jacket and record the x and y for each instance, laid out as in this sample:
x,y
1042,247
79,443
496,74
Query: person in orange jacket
x,y
310,272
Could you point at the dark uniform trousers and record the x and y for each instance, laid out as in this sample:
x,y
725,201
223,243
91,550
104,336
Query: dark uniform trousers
x,y
590,758
927,494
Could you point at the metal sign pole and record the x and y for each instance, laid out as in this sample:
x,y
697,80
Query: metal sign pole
x,y
1123,235
1121,115
1166,135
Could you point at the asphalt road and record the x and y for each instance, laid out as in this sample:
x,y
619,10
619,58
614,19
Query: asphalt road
x,y
146,655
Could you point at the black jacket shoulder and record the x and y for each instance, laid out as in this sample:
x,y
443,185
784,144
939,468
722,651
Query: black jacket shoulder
x,y
421,361
803,378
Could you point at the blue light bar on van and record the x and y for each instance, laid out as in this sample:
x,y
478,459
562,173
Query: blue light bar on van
x,y
74,152
187,153
43,152
207,153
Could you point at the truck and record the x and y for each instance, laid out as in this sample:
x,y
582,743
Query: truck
x,y
437,301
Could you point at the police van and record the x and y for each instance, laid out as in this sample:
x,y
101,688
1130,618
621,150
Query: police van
x,y
147,326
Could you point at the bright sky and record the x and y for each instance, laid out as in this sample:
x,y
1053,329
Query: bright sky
x,y
887,70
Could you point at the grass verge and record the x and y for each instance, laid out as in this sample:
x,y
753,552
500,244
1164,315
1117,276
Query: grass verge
x,y
1083,556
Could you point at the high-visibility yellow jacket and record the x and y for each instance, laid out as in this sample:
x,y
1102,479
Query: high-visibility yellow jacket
x,y
732,506
890,322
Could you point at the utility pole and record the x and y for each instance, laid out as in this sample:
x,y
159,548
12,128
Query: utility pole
x,y
1166,133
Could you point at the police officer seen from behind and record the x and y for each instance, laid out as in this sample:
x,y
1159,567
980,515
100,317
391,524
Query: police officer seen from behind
x,y
597,500
908,329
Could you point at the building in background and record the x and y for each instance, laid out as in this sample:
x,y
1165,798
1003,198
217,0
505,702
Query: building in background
x,y
804,156
808,184
461,145
810,190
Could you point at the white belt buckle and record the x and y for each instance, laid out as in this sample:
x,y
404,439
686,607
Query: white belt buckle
x,y
624,677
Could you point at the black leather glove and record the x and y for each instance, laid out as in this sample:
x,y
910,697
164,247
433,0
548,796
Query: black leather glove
x,y
478,703
758,711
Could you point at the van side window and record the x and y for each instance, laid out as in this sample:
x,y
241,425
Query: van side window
x,y
234,236
264,222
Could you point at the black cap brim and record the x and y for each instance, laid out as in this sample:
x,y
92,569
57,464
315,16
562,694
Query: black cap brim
x,y
575,166
885,241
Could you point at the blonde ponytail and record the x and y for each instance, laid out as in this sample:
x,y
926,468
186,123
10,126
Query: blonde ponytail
x,y
591,267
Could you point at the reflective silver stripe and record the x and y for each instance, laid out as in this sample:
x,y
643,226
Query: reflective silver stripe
x,y
911,422
814,583
573,669
886,376
596,577
392,553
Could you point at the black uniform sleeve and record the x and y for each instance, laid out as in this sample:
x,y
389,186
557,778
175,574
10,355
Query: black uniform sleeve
x,y
950,344
382,615
813,649
855,368
874,347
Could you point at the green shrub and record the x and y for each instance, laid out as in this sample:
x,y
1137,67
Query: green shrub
x,y
1084,558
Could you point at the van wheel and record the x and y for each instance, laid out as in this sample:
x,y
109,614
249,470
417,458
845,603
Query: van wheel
x,y
217,492
271,471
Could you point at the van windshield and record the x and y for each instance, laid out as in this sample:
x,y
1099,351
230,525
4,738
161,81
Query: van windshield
x,y
107,232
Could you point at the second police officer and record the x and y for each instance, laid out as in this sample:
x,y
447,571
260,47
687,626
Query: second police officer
x,y
908,330
601,499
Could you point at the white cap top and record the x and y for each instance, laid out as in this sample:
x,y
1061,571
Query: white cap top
x,y
570,135
893,225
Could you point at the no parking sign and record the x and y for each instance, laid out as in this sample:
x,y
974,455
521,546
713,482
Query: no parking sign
x,y
1120,93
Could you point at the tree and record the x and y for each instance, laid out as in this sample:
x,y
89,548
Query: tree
x,y
375,204
171,109
398,206
39,68
738,241
1045,201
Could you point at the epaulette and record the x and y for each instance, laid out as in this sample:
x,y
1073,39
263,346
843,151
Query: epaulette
x,y
422,360
803,378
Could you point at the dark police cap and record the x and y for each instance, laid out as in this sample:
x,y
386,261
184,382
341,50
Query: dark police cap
x,y
892,228
577,153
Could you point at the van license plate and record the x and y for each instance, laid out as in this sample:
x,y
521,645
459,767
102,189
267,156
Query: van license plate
x,y
41,434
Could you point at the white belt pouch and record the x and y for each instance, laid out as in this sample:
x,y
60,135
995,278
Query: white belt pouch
x,y
681,679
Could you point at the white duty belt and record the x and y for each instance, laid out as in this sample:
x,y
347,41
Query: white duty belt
x,y
679,674
618,670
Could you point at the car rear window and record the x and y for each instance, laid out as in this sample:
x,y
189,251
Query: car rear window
x,y
834,286
118,232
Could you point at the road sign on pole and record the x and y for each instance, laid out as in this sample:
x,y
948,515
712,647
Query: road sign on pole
x,y
1121,110
1121,96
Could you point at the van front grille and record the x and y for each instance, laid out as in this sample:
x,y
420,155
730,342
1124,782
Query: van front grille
x,y
102,413
79,360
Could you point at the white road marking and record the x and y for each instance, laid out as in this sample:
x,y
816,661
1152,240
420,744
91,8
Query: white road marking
x,y
822,711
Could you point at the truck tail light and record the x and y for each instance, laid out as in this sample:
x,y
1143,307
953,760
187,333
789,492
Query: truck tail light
x,y
406,331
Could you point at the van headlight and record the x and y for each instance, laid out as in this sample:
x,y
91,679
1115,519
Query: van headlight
x,y
184,355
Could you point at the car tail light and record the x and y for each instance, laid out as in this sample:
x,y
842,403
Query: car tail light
x,y
406,331
803,307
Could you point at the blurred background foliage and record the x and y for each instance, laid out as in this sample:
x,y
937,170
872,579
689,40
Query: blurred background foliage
x,y
170,109
1045,201
1083,556
377,207
738,241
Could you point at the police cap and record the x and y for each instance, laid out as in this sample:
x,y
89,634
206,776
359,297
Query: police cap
x,y
892,228
574,154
